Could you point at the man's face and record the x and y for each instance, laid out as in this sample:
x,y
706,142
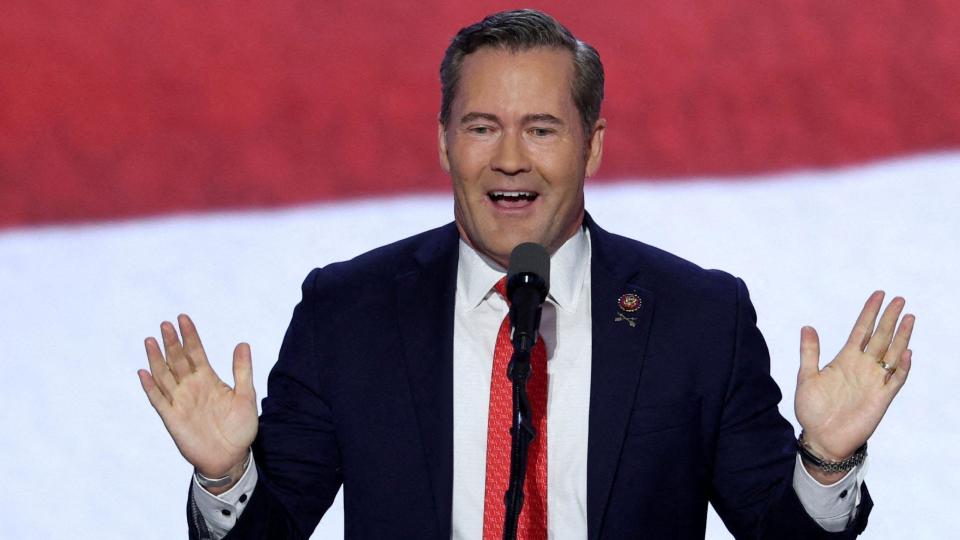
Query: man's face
x,y
516,151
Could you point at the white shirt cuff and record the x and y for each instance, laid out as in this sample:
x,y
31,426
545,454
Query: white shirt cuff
x,y
222,511
833,506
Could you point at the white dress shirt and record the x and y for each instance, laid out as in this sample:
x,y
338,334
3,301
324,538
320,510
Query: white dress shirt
x,y
565,327
566,330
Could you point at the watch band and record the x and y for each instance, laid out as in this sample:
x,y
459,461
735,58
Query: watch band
x,y
828,466
206,482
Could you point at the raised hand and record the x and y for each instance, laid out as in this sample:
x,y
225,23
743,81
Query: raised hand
x,y
212,424
840,406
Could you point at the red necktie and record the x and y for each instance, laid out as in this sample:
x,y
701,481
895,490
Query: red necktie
x,y
532,524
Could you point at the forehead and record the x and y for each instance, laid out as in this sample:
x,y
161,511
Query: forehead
x,y
506,82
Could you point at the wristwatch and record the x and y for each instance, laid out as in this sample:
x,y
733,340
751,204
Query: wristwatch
x,y
827,466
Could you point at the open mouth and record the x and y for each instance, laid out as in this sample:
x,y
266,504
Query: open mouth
x,y
512,198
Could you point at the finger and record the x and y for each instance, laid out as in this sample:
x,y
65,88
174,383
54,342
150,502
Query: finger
x,y
161,375
176,360
192,346
880,342
809,353
901,340
157,399
243,371
863,328
899,376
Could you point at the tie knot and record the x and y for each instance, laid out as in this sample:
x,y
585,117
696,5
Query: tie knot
x,y
501,288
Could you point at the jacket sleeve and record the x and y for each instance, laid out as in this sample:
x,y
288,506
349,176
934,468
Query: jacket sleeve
x,y
752,476
296,450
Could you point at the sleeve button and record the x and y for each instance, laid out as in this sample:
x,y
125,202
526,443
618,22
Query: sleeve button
x,y
843,494
243,498
226,513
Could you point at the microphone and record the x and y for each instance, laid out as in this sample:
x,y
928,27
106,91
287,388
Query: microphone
x,y
528,280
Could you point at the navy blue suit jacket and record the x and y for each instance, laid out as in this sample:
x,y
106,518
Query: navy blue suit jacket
x,y
682,407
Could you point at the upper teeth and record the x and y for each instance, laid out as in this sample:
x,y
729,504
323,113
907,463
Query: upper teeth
x,y
512,193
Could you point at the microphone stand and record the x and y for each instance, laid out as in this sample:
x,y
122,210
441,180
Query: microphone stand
x,y
522,433
527,285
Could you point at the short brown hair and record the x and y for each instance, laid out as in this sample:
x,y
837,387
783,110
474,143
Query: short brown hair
x,y
522,30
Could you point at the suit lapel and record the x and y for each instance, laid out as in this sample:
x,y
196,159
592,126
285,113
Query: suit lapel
x,y
617,360
425,303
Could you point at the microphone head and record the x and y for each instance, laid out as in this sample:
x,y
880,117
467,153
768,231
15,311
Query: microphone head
x,y
529,258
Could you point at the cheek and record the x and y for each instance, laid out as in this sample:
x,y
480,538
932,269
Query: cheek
x,y
565,175
468,197
465,170
562,159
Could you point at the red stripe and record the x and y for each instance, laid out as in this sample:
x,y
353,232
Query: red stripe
x,y
116,108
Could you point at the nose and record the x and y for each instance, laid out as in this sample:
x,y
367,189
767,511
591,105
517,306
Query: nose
x,y
510,156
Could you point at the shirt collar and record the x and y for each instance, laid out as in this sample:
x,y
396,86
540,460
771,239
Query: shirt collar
x,y
477,273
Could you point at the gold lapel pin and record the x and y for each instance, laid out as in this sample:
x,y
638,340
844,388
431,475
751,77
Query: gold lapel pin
x,y
628,303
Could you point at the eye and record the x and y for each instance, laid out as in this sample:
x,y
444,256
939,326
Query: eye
x,y
480,130
542,132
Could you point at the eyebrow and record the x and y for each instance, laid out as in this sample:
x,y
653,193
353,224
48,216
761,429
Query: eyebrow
x,y
470,117
527,119
542,118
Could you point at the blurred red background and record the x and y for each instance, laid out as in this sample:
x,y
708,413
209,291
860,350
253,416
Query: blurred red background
x,y
120,108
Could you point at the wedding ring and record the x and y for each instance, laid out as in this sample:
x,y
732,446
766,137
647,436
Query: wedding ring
x,y
886,367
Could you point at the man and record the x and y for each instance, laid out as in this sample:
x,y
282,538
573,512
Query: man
x,y
659,397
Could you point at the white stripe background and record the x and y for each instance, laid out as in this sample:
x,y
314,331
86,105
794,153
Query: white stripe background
x,y
84,455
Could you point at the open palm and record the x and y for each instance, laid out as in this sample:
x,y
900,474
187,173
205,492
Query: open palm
x,y
212,424
840,406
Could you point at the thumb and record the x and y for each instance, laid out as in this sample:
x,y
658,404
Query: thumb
x,y
809,353
243,371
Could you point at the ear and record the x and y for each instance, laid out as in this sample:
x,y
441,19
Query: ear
x,y
595,148
442,147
